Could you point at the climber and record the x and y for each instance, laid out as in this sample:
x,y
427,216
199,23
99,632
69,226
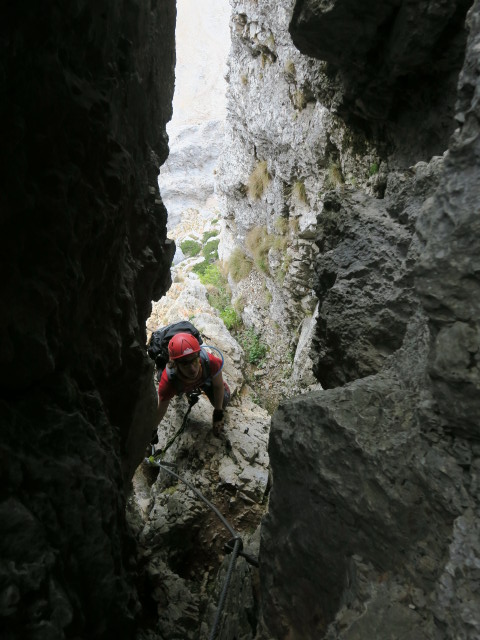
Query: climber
x,y
191,368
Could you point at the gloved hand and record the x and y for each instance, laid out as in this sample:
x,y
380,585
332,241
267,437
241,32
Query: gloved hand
x,y
217,421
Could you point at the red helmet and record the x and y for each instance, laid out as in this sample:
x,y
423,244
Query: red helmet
x,y
182,344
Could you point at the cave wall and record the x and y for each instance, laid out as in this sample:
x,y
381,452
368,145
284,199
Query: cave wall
x,y
87,92
373,521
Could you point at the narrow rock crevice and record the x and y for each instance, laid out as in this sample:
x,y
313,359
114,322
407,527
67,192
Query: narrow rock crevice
x,y
347,195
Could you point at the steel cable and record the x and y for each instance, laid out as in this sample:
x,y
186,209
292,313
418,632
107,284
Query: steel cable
x,y
236,547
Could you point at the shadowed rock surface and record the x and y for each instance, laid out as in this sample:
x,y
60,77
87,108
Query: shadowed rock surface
x,y
385,467
396,63
88,92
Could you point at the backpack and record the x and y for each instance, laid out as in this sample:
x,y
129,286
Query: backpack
x,y
157,347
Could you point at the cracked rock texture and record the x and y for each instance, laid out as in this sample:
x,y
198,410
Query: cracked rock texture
x,y
295,134
86,94
396,61
372,529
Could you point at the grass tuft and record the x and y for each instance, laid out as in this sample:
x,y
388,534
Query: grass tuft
x,y
259,243
334,176
258,181
299,99
239,265
290,69
299,192
281,225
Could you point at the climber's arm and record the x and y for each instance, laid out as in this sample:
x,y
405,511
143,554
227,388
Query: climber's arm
x,y
218,391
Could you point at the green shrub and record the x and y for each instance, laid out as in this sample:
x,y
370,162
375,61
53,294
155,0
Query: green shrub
x,y
209,273
239,266
219,297
258,181
218,291
255,349
231,318
210,251
190,247
373,169
209,234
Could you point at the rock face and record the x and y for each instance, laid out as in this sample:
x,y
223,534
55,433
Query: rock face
x,y
88,92
367,252
199,109
297,132
372,530
396,62
187,178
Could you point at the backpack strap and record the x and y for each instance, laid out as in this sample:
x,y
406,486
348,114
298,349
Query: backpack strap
x,y
174,380
205,360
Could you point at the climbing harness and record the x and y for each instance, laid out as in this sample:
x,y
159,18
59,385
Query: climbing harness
x,y
233,546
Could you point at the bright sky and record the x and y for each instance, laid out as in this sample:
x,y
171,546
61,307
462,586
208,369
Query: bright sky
x,y
203,42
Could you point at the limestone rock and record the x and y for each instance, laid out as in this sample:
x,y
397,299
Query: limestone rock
x,y
389,61
367,252
383,473
187,178
181,539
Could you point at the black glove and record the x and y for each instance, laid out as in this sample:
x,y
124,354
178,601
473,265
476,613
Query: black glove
x,y
217,421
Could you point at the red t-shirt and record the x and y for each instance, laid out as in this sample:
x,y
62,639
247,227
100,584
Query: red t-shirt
x,y
166,389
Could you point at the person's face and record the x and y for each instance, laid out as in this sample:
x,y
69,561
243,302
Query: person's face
x,y
189,367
